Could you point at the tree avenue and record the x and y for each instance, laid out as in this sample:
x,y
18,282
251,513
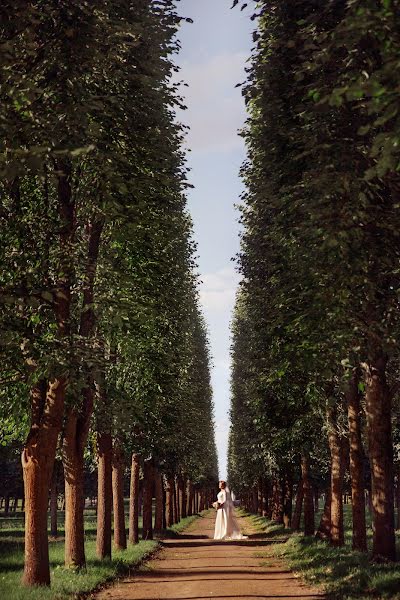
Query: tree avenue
x,y
104,352
315,334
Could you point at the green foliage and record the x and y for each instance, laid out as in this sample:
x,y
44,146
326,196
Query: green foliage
x,y
320,244
87,101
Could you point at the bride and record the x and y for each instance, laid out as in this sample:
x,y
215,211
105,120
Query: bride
x,y
226,526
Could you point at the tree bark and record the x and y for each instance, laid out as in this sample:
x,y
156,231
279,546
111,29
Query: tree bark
x,y
104,495
159,494
260,489
277,500
77,422
54,500
134,500
254,494
379,412
75,438
267,499
164,513
298,507
287,499
74,526
337,473
181,496
201,500
37,571
316,499
264,497
190,497
309,524
148,482
359,541
118,468
398,497
170,501
324,528
176,501
37,458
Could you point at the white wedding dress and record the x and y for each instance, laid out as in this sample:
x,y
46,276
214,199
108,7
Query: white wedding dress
x,y
226,525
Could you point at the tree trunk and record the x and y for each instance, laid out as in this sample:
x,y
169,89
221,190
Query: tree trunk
x,y
184,498
309,524
337,473
265,498
170,501
54,500
74,443
398,498
324,528
104,495
164,513
37,571
356,463
78,421
148,481
260,488
277,500
118,468
298,507
48,407
316,499
74,526
190,497
379,412
254,493
37,463
134,500
287,499
140,498
201,505
176,501
159,494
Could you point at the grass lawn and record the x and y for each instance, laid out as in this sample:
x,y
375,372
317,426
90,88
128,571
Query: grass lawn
x,y
66,584
344,574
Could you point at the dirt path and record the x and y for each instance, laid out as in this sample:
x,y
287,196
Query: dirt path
x,y
194,566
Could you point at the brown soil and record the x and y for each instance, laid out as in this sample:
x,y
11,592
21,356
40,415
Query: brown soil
x,y
194,566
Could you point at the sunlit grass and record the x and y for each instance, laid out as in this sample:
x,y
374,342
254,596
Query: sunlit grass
x,y
65,583
341,572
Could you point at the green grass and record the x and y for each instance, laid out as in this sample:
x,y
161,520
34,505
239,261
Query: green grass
x,y
65,583
341,572
176,529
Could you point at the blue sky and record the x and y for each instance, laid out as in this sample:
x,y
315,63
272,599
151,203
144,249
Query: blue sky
x,y
213,57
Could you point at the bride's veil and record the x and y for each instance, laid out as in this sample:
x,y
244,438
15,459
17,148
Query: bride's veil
x,y
228,491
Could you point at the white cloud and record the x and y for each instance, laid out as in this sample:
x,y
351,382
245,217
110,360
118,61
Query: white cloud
x,y
215,108
218,290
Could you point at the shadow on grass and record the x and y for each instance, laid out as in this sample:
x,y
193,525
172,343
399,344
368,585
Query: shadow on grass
x,y
343,573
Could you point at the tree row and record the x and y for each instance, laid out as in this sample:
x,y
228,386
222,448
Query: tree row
x,y
316,331
104,352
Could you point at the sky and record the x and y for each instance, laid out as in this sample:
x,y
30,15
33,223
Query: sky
x,y
214,52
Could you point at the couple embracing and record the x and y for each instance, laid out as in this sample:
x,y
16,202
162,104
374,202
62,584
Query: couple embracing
x,y
226,525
